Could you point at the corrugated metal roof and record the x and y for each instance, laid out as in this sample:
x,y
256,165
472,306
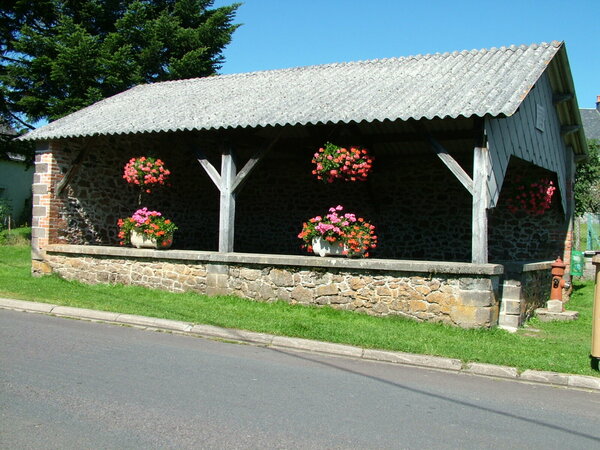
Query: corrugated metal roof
x,y
469,83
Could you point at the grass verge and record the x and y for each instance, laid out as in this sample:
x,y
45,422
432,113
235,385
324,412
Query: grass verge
x,y
18,236
561,347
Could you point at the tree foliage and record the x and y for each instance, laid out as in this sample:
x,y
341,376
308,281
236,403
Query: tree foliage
x,y
587,182
58,56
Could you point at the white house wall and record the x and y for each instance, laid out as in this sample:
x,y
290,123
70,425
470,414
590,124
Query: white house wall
x,y
517,135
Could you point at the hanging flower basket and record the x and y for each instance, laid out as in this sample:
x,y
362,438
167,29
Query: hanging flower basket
x,y
146,229
338,233
534,196
146,173
339,163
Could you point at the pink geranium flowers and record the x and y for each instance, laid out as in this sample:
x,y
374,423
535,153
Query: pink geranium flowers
x,y
354,234
339,163
150,223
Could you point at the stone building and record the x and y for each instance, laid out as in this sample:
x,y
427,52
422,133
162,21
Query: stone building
x,y
451,133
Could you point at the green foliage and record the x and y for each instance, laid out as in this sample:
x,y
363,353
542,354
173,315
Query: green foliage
x,y
5,212
57,56
587,182
17,236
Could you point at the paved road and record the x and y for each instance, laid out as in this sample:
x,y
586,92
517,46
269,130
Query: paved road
x,y
75,384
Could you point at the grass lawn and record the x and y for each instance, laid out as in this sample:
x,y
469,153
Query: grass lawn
x,y
561,347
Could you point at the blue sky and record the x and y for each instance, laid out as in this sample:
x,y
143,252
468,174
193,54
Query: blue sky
x,y
278,34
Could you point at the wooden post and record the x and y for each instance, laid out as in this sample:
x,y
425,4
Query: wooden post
x,y
479,243
229,183
227,208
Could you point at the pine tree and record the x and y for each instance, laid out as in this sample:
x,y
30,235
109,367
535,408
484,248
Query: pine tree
x,y
58,56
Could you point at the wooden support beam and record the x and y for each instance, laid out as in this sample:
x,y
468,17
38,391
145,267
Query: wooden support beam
x,y
75,166
227,201
208,168
569,129
561,98
229,183
452,164
479,240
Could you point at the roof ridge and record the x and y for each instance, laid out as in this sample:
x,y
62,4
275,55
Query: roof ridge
x,y
418,56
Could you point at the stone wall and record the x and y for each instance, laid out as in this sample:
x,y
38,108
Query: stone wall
x,y
172,276
525,288
464,302
458,294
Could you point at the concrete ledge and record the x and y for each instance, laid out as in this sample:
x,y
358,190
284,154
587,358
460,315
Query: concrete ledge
x,y
434,362
492,370
545,377
428,267
526,266
232,334
22,305
317,346
153,322
85,313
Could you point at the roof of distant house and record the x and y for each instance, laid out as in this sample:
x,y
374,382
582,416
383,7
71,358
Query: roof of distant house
x,y
479,83
591,122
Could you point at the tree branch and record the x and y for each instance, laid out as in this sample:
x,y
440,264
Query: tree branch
x,y
31,127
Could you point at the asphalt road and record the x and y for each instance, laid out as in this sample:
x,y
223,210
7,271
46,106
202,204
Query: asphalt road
x,y
75,384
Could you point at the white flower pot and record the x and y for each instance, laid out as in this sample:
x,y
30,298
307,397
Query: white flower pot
x,y
142,240
323,247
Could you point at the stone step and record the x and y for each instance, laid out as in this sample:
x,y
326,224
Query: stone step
x,y
547,316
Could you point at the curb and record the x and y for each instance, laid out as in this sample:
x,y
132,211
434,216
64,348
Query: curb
x,y
283,342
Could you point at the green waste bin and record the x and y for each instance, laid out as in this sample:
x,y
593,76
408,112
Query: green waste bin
x,y
577,263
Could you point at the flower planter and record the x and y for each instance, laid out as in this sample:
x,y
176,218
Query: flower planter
x,y
323,247
142,240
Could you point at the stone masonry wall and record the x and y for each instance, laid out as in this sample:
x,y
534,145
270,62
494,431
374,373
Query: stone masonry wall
x,y
524,288
465,301
172,276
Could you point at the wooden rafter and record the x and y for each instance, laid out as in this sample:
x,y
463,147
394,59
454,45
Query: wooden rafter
x,y
75,166
451,163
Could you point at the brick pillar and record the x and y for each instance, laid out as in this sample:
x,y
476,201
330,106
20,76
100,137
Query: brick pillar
x,y
46,221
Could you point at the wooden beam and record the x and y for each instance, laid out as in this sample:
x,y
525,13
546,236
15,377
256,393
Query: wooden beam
x,y
561,98
208,168
569,129
452,164
227,201
479,240
242,176
75,166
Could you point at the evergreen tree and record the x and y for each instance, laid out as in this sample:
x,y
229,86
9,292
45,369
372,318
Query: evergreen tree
x,y
58,56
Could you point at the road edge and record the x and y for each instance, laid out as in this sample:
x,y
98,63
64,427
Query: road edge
x,y
292,343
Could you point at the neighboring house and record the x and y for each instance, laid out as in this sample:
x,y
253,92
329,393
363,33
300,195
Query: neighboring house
x,y
451,134
16,178
591,121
